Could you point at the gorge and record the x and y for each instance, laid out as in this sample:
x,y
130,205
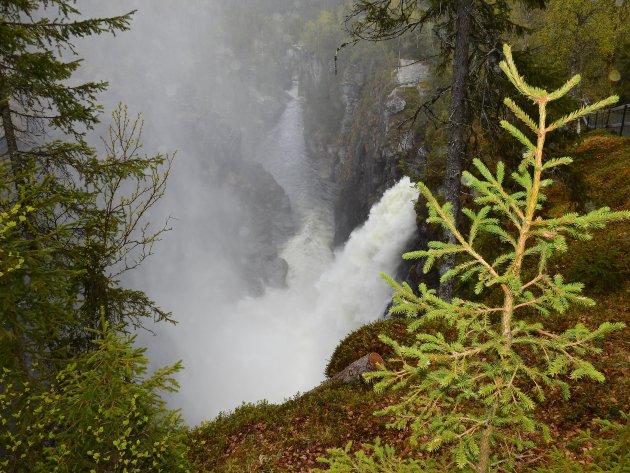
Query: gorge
x,y
260,272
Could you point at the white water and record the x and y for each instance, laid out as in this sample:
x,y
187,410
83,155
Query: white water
x,y
277,345
284,155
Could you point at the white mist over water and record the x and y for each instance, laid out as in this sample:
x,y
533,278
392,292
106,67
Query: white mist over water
x,y
172,67
276,345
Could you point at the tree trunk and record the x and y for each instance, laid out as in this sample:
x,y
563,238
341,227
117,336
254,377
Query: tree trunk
x,y
456,131
9,134
352,373
486,441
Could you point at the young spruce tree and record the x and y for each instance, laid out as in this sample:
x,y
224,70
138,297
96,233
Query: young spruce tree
x,y
475,385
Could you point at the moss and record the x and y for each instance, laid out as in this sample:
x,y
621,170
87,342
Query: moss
x,y
290,437
365,340
601,174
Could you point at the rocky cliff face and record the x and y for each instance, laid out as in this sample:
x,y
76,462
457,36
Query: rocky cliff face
x,y
264,213
367,136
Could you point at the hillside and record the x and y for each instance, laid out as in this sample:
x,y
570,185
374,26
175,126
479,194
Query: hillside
x,y
291,436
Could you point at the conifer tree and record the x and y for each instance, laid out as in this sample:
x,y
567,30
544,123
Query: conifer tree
x,y
37,57
475,385
86,224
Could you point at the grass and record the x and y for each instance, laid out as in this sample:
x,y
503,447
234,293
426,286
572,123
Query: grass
x,y
289,437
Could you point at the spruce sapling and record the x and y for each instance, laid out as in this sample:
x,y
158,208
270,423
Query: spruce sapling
x,y
475,386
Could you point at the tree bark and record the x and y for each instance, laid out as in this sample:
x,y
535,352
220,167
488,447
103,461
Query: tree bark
x,y
352,373
9,133
486,442
7,126
457,120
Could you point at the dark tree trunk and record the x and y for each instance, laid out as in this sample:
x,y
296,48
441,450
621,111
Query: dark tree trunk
x,y
7,121
455,154
9,136
7,126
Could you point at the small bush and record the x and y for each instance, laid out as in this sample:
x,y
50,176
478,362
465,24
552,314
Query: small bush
x,y
609,453
379,458
100,414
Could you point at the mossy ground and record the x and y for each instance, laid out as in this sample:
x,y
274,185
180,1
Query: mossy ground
x,y
289,437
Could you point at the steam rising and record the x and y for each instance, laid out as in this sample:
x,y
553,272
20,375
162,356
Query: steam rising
x,y
175,68
274,346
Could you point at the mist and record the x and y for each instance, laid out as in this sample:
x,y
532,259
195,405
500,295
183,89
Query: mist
x,y
248,270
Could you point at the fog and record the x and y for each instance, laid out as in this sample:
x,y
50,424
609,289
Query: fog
x,y
242,338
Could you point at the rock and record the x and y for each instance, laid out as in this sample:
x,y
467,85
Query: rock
x,y
262,219
411,72
352,373
394,104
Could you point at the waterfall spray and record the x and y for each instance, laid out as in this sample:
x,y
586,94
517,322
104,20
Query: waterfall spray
x,y
275,346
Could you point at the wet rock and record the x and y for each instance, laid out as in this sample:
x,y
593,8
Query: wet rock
x,y
264,213
411,72
394,104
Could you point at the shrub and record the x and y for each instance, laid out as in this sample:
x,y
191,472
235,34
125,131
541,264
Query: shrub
x,y
100,414
378,459
610,453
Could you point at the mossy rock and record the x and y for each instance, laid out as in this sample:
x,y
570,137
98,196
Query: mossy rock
x,y
365,340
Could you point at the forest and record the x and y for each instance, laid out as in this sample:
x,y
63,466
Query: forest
x,y
314,235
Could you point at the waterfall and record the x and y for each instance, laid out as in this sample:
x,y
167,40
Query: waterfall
x,y
284,155
275,346
267,347
272,347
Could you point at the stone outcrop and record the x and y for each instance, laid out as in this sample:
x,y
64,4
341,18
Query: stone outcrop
x,y
264,220
363,135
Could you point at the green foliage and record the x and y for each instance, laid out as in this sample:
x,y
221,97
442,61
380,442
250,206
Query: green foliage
x,y
609,453
365,340
584,36
380,459
475,387
100,414
8,221
36,299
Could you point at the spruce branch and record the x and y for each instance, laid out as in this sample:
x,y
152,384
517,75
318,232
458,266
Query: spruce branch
x,y
586,110
482,363
520,113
